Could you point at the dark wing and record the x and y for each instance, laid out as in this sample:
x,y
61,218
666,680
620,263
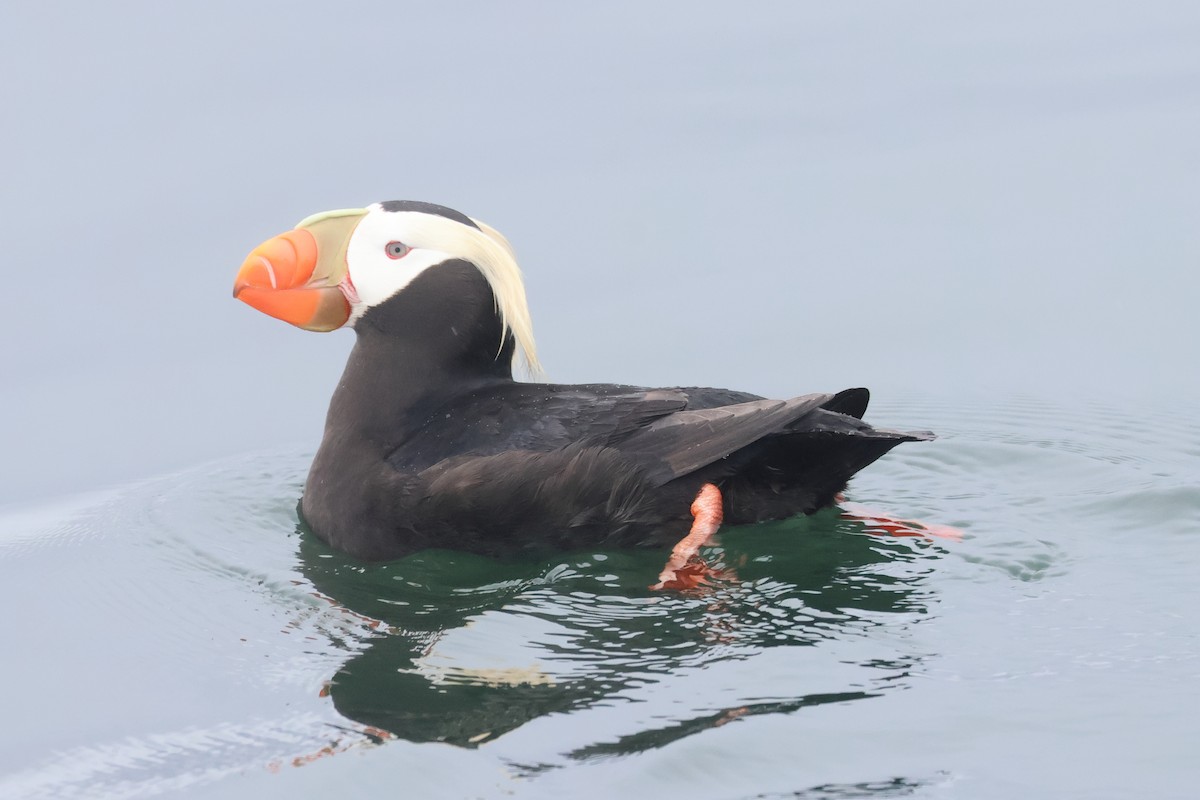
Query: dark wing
x,y
699,397
686,441
563,465
746,434
532,417
852,402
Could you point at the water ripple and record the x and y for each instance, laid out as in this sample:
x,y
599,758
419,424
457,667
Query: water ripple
x,y
293,652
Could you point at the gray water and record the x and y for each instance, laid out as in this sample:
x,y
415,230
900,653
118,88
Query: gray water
x,y
198,640
987,215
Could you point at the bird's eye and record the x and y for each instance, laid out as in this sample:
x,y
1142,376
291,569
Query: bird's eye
x,y
396,249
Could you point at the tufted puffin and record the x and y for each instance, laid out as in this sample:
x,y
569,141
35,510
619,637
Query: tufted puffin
x,y
430,442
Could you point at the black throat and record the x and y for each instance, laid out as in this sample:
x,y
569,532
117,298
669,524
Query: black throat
x,y
439,337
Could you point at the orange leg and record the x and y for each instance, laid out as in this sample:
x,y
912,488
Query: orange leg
x,y
685,569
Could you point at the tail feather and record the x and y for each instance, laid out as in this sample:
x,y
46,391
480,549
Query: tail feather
x,y
851,402
803,470
771,458
801,474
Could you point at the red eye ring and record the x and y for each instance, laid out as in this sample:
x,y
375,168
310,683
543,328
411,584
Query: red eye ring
x,y
396,250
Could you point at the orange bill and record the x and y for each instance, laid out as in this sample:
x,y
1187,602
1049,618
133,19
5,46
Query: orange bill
x,y
300,276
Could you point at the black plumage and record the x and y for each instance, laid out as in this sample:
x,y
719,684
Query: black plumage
x,y
429,442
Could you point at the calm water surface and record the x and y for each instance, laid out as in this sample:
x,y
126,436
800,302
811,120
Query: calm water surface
x,y
184,637
806,196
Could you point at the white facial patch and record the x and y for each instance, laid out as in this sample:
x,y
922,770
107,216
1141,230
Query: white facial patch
x,y
376,276
433,240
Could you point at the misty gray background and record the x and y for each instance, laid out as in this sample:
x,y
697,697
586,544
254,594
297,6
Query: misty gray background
x,y
926,198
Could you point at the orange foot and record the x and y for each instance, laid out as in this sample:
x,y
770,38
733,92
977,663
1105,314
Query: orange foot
x,y
884,525
685,569
692,575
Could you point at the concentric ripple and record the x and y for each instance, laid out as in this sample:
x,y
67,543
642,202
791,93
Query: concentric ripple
x,y
186,630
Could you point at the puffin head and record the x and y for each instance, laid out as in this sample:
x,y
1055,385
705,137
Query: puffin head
x,y
333,267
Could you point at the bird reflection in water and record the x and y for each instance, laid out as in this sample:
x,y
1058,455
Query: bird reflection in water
x,y
462,649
